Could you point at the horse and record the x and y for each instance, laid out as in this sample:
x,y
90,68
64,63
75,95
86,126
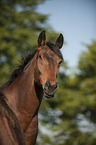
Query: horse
x,y
11,132
34,78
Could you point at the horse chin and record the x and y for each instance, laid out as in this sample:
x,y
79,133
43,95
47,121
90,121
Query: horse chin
x,y
47,95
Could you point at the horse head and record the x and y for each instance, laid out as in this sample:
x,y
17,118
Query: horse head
x,y
49,59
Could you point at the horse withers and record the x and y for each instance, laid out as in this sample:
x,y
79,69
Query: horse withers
x,y
35,77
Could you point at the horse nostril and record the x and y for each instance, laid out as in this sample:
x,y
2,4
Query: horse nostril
x,y
47,85
50,87
56,86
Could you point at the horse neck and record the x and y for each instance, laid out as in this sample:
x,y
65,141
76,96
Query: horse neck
x,y
24,95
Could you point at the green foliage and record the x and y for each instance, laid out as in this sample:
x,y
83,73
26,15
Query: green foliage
x,y
87,62
88,80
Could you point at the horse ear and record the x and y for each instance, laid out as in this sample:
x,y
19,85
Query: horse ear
x,y
42,39
59,41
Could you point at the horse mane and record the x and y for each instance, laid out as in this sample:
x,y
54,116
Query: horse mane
x,y
12,121
24,61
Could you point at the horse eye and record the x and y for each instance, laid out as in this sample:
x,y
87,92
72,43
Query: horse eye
x,y
60,62
40,57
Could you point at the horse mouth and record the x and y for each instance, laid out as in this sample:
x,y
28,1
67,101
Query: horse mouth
x,y
49,90
48,95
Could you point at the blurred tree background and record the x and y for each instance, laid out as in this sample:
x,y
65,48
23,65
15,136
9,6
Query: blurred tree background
x,y
70,117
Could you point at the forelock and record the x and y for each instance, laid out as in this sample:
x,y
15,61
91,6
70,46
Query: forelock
x,y
55,49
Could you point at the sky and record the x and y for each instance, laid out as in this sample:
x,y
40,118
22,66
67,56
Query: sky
x,y
76,20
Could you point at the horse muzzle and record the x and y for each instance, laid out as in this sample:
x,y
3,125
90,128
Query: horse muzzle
x,y
49,90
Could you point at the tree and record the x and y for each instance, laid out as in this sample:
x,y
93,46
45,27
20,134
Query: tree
x,y
87,75
19,27
71,117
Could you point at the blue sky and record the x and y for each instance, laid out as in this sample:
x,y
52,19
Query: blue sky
x,y
76,20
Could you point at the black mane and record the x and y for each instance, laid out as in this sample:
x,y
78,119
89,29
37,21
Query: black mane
x,y
24,61
28,57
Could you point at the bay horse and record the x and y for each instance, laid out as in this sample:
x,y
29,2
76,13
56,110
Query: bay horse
x,y
34,77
